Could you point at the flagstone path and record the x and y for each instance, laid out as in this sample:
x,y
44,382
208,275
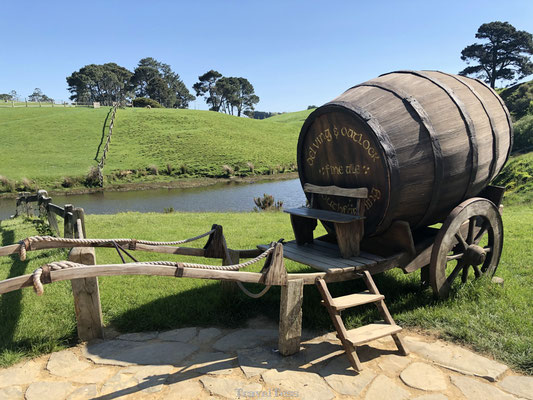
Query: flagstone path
x,y
210,363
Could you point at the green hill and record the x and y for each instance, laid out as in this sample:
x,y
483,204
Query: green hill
x,y
297,117
45,145
200,143
517,177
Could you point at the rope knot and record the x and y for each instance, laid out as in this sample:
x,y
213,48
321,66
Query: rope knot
x,y
25,246
42,275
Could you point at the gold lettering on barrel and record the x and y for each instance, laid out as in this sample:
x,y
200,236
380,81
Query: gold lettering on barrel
x,y
348,169
343,133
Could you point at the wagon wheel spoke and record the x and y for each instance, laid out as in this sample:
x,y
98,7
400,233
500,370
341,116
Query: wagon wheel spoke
x,y
471,226
482,231
461,240
454,257
455,272
471,236
464,276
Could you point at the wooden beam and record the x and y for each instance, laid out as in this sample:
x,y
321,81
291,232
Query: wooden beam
x,y
86,291
290,317
358,193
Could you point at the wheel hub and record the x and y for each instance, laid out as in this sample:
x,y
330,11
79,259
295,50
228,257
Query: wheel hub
x,y
474,255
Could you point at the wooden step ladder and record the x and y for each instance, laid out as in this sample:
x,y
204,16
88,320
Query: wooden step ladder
x,y
366,333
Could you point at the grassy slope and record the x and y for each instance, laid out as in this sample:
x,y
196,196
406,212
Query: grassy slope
x,y
203,141
517,177
494,320
46,144
291,118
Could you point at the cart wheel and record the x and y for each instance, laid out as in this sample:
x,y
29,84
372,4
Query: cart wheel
x,y
471,236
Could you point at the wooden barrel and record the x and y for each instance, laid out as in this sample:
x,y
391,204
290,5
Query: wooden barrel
x,y
420,141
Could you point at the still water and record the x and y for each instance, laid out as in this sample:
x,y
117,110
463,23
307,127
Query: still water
x,y
220,197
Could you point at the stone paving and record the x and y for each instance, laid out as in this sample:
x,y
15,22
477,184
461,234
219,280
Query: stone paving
x,y
209,363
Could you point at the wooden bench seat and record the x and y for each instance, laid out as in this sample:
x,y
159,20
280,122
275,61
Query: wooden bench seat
x,y
323,215
348,228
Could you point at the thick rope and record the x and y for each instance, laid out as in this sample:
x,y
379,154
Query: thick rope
x,y
234,267
55,266
26,244
253,295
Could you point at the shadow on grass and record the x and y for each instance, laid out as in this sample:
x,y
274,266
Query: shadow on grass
x,y
10,303
211,305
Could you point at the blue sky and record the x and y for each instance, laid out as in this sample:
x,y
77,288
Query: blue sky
x,y
295,53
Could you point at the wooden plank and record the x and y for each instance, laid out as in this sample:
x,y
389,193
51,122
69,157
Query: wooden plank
x,y
333,258
323,215
87,298
68,230
367,333
52,220
9,249
349,237
321,265
86,291
319,261
290,317
16,283
358,193
57,210
355,299
333,249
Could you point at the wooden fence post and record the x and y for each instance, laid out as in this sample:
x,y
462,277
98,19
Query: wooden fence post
x,y
290,317
85,290
68,226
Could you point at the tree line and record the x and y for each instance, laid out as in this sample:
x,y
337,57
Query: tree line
x,y
36,96
108,83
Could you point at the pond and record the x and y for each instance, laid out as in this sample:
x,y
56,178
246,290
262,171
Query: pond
x,y
220,197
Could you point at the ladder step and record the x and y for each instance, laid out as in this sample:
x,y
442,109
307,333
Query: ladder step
x,y
356,299
371,332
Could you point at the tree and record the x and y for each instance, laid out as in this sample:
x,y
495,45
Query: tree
x,y
38,95
105,83
206,86
505,56
157,81
5,97
226,90
14,95
245,97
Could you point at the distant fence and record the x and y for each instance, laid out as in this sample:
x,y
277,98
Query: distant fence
x,y
101,163
12,104
51,211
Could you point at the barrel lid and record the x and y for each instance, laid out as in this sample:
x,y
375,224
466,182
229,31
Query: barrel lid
x,y
338,145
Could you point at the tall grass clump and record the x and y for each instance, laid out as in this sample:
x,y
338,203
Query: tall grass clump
x,y
267,203
92,179
6,185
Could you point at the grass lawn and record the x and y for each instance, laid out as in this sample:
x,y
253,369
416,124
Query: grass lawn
x,y
490,319
148,145
47,144
199,142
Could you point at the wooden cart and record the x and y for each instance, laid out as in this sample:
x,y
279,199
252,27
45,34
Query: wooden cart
x,y
468,243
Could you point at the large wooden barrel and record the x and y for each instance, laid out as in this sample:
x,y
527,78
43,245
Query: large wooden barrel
x,y
420,141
